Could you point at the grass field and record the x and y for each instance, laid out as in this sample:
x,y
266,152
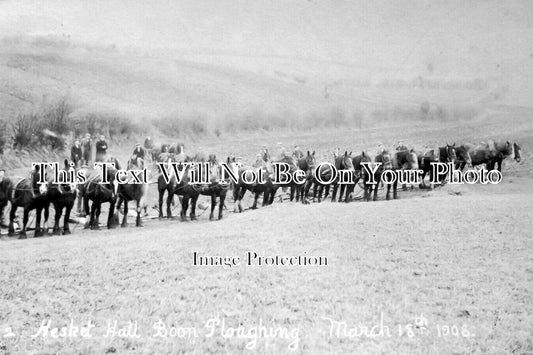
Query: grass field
x,y
459,256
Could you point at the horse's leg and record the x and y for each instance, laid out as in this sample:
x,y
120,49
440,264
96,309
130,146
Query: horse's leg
x,y
170,199
125,217
273,192
213,205
97,215
94,220
68,209
2,208
299,189
375,187
56,230
265,197
194,199
38,231
235,194
46,218
395,188
316,189
256,197
334,194
388,191
80,205
308,185
12,214
88,223
343,190
138,221
292,187
221,203
24,223
161,195
242,192
110,224
184,207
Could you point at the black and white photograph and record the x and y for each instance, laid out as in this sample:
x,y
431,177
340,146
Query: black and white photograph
x,y
266,177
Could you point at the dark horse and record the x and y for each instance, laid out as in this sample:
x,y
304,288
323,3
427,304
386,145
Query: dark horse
x,y
98,192
401,161
326,172
385,161
358,162
131,191
246,174
216,188
444,154
62,196
306,164
490,154
504,150
30,195
189,192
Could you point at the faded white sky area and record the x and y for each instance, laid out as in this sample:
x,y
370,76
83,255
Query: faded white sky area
x,y
319,42
455,36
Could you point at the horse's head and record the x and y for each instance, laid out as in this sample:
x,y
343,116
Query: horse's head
x,y
345,161
310,159
451,156
365,158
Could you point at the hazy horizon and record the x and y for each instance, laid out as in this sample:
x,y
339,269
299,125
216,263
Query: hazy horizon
x,y
389,34
305,46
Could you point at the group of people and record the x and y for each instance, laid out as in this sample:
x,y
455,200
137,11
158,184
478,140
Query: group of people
x,y
81,150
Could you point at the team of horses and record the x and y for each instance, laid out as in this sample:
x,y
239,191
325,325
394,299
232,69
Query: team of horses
x,y
30,195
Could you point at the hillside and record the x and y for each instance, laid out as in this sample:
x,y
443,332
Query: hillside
x,y
220,60
138,86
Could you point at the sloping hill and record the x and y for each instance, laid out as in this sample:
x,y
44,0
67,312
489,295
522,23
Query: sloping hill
x,y
220,59
141,86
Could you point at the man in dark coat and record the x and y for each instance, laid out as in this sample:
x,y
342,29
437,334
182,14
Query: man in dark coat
x,y
138,151
87,145
101,149
75,153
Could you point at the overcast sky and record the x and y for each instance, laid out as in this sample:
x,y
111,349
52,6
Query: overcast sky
x,y
374,33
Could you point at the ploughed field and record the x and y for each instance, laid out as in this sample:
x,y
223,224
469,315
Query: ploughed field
x,y
459,256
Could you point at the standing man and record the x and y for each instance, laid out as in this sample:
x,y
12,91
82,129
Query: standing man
x,y
138,152
101,149
75,153
87,145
